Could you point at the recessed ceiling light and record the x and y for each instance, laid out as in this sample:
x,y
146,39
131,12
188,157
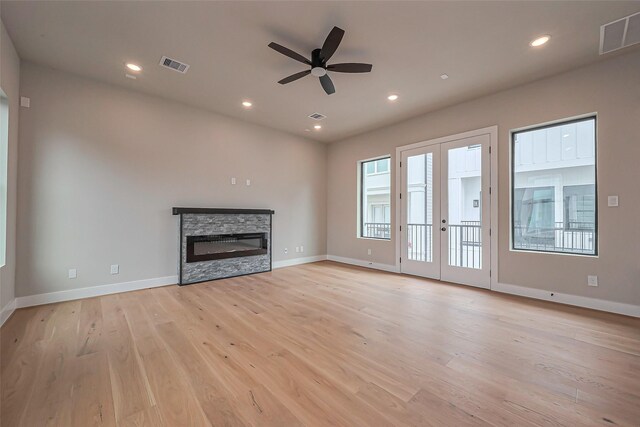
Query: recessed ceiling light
x,y
317,127
540,41
129,76
392,97
444,76
134,67
246,104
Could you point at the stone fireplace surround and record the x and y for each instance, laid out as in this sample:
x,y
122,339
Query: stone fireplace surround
x,y
222,221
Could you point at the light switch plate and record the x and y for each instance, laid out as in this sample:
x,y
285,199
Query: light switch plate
x,y
115,269
612,201
25,102
73,273
248,182
592,280
233,181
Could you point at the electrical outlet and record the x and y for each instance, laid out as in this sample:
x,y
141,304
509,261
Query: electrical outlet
x,y
592,280
248,182
286,251
73,273
612,201
301,248
233,181
115,269
368,251
297,249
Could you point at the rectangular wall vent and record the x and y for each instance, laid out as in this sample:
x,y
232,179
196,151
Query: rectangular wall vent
x,y
174,65
317,116
621,33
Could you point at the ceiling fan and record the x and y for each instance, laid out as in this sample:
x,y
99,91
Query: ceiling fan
x,y
318,62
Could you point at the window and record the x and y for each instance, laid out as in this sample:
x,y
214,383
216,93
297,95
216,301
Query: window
x,y
375,198
4,147
554,203
377,166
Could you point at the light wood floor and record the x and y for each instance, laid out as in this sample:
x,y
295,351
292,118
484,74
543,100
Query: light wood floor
x,y
319,344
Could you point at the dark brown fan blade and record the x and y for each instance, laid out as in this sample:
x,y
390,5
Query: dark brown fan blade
x,y
294,77
331,43
327,84
288,52
350,68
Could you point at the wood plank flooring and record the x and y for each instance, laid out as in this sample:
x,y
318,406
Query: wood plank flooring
x,y
318,344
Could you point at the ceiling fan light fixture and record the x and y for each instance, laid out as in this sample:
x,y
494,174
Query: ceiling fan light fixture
x,y
318,71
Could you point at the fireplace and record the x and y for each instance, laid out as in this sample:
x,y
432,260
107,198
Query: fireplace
x,y
216,243
221,246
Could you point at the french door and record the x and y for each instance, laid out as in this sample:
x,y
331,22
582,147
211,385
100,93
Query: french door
x,y
445,211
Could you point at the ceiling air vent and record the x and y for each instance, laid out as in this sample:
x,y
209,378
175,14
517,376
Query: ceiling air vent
x,y
317,116
621,33
174,65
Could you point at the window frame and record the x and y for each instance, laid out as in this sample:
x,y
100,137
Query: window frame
x,y
5,119
512,135
361,206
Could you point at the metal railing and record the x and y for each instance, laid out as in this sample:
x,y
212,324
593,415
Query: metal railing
x,y
465,244
378,230
420,242
573,237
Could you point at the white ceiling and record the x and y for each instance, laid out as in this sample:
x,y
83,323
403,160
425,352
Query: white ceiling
x,y
482,46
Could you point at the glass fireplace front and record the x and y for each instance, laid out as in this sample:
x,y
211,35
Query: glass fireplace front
x,y
220,246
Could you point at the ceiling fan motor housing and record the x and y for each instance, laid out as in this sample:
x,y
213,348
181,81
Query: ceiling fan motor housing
x,y
318,66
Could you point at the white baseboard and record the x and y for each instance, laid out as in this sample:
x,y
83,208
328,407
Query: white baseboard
x,y
298,261
115,288
361,263
541,294
93,291
73,294
576,300
7,310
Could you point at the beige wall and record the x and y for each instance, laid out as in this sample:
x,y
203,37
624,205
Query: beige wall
x,y
610,88
101,167
10,84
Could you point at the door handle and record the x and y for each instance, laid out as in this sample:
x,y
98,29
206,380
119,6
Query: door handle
x,y
444,229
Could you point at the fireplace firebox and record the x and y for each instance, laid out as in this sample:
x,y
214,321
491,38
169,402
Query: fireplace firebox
x,y
221,246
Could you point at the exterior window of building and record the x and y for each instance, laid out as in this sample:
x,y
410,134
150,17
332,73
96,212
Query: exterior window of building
x,y
4,146
375,198
554,203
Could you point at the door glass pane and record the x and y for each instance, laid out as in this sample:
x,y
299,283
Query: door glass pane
x,y
420,207
465,207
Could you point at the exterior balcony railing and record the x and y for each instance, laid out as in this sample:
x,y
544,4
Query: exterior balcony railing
x,y
465,240
377,230
573,237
